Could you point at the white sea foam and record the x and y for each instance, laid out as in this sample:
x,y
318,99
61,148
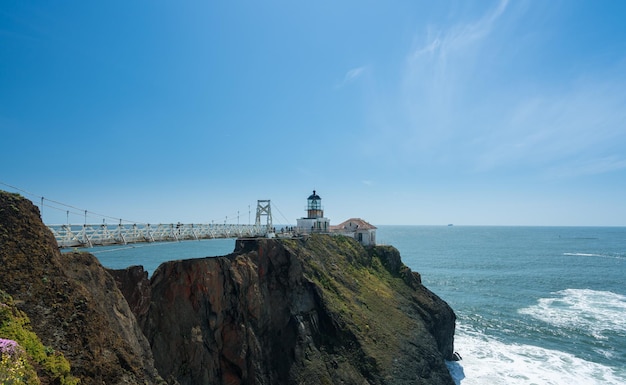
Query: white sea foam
x,y
611,256
585,255
487,360
590,311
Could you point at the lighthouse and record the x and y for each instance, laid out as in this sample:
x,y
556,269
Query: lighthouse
x,y
314,222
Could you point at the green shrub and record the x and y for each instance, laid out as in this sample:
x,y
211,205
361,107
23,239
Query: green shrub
x,y
14,365
15,327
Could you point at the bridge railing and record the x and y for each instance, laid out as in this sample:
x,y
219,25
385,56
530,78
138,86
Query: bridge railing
x,y
104,234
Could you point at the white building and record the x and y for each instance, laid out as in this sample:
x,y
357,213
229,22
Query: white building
x,y
314,222
359,229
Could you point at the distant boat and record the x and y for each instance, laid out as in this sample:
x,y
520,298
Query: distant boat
x,y
450,224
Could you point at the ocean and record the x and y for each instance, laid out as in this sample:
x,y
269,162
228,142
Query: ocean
x,y
534,305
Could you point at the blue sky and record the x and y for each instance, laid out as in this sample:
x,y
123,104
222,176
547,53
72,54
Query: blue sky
x,y
399,112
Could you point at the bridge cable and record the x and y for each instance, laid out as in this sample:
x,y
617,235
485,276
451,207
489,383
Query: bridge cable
x,y
78,212
69,209
281,214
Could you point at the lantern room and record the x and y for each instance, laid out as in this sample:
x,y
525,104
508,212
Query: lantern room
x,y
314,206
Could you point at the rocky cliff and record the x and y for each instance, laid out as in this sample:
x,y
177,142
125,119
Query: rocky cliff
x,y
318,310
73,304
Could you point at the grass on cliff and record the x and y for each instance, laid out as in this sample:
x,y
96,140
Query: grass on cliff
x,y
15,325
364,295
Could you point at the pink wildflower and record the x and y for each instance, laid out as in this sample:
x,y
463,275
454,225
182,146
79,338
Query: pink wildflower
x,y
8,347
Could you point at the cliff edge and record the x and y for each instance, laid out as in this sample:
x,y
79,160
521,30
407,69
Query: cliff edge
x,y
72,303
319,310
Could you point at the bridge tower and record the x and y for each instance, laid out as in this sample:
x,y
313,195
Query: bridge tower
x,y
263,208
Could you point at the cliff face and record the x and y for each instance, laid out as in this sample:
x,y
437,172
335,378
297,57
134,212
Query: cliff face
x,y
74,306
321,310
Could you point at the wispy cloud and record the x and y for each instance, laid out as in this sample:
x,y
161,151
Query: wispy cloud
x,y
436,87
460,108
587,167
352,75
572,132
444,42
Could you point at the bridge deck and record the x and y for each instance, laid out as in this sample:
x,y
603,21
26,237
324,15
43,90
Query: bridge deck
x,y
103,234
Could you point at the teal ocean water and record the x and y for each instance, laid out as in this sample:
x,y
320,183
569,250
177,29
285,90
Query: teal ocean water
x,y
535,305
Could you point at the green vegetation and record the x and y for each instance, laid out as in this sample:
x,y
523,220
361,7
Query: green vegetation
x,y
14,367
358,288
30,353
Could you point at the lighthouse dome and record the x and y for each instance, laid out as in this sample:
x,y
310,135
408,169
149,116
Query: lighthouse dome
x,y
314,196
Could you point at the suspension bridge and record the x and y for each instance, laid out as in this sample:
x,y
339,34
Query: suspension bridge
x,y
127,232
90,235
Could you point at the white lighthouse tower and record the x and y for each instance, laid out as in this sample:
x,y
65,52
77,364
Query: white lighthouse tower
x,y
314,222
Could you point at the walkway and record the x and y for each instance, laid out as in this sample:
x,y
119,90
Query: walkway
x,y
100,235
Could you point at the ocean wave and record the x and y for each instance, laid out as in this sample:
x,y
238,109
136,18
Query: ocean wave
x,y
613,256
487,360
584,254
590,311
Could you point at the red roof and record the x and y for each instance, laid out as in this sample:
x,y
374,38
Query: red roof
x,y
360,223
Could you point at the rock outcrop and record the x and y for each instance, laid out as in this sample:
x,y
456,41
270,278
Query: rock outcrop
x,y
73,304
320,310
134,284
